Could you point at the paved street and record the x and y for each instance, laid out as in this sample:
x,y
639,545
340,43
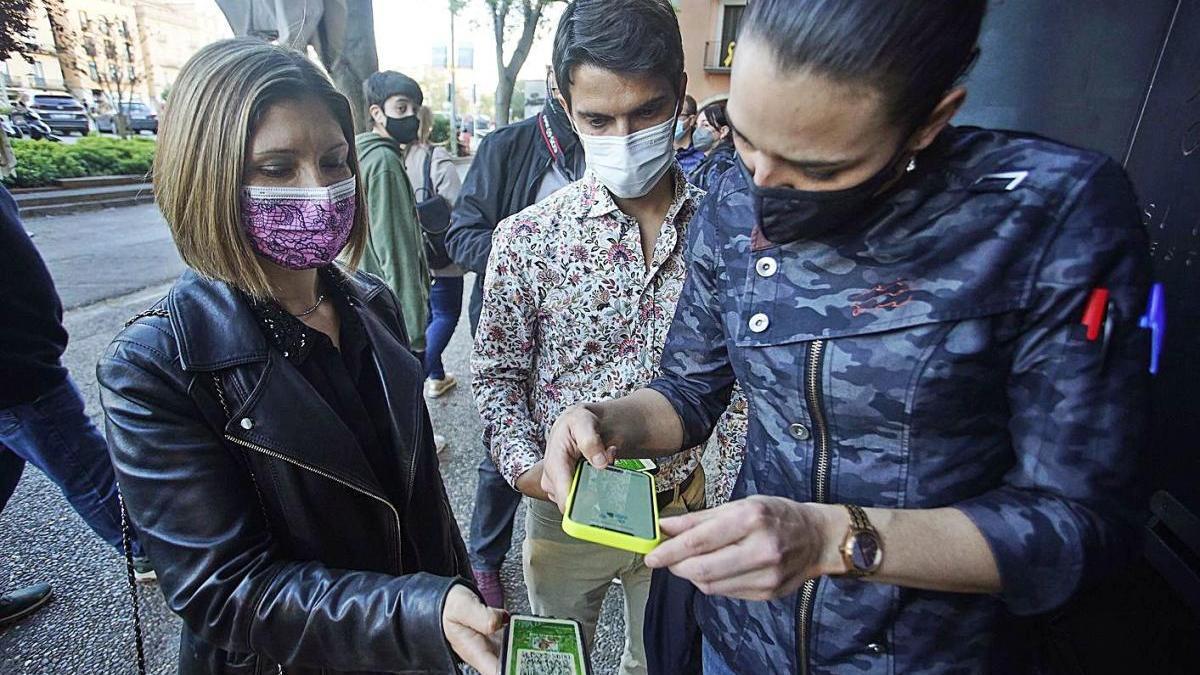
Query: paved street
x,y
109,265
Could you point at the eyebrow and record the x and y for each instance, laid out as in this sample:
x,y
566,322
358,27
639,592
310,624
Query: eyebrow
x,y
799,163
652,104
290,152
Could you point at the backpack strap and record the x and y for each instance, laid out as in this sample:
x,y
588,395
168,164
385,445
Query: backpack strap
x,y
429,192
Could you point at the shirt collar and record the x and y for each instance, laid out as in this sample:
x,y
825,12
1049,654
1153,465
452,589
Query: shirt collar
x,y
293,337
602,202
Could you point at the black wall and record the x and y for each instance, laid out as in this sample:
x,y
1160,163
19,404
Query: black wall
x,y
1122,77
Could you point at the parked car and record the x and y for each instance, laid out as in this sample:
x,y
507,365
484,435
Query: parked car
x,y
61,112
141,118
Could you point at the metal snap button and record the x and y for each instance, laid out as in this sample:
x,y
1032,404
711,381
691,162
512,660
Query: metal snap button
x,y
759,323
766,267
247,423
799,432
876,648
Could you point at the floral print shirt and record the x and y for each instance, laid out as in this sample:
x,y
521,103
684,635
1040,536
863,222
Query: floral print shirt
x,y
571,315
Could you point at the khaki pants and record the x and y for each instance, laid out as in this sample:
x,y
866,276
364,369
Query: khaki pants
x,y
568,578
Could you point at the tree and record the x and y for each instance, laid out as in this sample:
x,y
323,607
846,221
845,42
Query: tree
x,y
356,60
64,44
15,30
342,33
531,13
119,77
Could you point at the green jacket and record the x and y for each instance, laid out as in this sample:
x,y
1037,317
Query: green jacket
x,y
396,251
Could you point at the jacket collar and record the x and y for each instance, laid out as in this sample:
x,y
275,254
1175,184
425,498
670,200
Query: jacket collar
x,y
215,325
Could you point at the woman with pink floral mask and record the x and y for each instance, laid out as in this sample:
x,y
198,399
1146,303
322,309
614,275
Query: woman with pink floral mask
x,y
266,418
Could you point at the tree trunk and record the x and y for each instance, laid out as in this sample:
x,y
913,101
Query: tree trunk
x,y
531,13
64,45
357,60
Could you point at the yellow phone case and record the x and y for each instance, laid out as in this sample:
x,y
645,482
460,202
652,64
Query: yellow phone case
x,y
596,535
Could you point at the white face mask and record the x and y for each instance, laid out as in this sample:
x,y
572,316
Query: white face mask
x,y
630,166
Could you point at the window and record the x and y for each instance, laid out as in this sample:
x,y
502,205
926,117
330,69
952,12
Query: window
x,y
132,74
5,74
731,19
39,75
83,19
93,71
124,29
128,52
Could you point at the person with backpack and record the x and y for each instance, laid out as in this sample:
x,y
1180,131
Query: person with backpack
x,y
431,170
395,250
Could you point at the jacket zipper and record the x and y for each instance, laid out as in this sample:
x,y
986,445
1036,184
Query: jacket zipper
x,y
325,474
820,484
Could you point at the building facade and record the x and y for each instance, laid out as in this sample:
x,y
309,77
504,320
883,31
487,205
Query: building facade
x,y
99,49
709,29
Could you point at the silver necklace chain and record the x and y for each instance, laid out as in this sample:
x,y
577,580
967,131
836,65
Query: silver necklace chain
x,y
310,310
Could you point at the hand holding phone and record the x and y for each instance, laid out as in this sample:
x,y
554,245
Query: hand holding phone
x,y
468,625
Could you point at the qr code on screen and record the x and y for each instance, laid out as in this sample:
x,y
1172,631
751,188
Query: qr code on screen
x,y
530,662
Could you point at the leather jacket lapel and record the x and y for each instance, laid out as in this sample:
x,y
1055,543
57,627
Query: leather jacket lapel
x,y
284,415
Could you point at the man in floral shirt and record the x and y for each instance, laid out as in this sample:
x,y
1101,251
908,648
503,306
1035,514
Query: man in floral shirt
x,y
581,289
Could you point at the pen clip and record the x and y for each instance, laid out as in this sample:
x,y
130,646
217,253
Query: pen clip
x,y
1155,320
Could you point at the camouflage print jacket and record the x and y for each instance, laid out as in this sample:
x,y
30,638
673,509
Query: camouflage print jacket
x,y
933,357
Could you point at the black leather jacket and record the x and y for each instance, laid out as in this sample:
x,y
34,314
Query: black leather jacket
x,y
271,537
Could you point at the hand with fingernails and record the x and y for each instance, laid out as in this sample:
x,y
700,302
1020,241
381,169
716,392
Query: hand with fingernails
x,y
473,629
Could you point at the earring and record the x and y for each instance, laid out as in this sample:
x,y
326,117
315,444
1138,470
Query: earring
x,y
912,165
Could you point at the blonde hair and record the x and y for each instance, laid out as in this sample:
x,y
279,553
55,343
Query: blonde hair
x,y
425,117
220,94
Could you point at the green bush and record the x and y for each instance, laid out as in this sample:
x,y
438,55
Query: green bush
x,y
40,163
441,130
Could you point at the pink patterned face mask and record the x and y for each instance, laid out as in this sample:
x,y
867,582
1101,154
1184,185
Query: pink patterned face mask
x,y
299,228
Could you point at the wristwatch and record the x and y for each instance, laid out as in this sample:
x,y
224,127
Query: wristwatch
x,y
862,549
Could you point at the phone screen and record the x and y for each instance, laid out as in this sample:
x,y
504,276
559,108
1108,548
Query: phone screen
x,y
543,647
616,500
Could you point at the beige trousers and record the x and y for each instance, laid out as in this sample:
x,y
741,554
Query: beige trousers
x,y
568,578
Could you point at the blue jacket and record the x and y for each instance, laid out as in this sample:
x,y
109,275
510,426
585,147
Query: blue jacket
x,y
933,356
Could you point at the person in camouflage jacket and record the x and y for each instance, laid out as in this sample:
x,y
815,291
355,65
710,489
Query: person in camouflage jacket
x,y
926,359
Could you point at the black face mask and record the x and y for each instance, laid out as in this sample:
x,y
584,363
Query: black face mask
x,y
403,130
785,215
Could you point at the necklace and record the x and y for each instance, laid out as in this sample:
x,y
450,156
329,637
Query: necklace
x,y
310,310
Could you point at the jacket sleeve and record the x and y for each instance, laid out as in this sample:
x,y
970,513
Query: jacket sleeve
x,y
502,363
477,212
396,251
1069,509
196,511
697,377
445,175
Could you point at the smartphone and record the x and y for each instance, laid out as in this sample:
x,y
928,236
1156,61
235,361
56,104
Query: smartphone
x,y
613,507
646,465
537,645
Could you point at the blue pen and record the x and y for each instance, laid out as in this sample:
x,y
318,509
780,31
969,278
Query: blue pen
x,y
1155,319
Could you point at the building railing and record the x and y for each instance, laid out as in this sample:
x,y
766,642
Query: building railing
x,y
718,57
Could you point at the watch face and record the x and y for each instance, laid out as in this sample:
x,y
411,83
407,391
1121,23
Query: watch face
x,y
865,552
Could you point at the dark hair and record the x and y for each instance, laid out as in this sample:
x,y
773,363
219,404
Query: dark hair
x,y
715,114
689,103
624,36
913,51
381,86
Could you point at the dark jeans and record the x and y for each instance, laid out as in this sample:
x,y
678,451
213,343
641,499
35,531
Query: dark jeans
x,y
55,435
492,520
445,306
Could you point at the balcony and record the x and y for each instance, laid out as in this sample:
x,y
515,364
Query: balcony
x,y
718,57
